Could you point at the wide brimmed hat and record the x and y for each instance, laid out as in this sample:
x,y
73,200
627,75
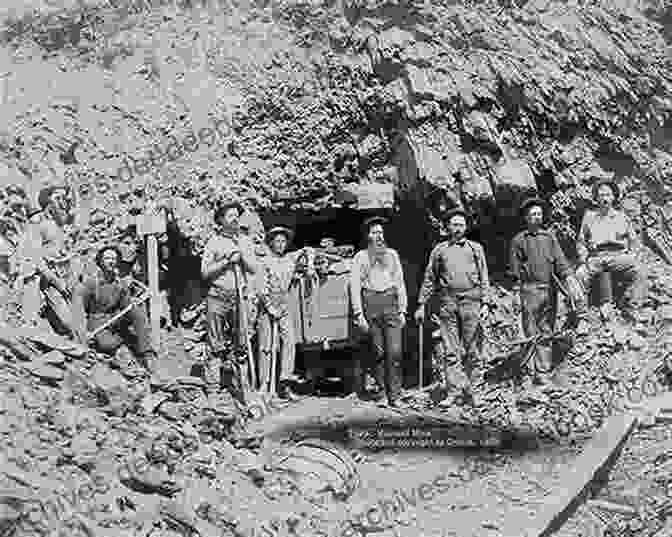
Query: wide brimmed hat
x,y
225,204
45,194
455,212
610,184
372,221
280,230
532,202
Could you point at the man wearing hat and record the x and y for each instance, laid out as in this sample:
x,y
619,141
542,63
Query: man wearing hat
x,y
457,272
537,265
379,304
101,296
227,258
606,246
47,265
279,268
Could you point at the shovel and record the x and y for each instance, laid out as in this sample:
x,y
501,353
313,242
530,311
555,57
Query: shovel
x,y
421,335
274,357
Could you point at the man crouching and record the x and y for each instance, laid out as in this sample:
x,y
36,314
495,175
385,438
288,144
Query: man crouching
x,y
99,298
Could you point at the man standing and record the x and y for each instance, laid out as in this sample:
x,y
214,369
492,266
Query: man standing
x,y
100,297
536,261
49,271
379,304
458,273
279,275
606,246
228,262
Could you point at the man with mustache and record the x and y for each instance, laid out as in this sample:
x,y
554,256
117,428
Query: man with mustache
x,y
379,303
536,261
100,297
606,246
458,273
49,271
229,265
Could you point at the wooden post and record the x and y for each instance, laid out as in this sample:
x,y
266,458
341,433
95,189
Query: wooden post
x,y
151,224
155,304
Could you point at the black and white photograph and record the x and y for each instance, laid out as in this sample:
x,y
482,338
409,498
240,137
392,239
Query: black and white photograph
x,y
335,268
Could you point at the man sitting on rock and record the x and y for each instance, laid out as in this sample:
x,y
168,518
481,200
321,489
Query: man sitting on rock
x,y
606,246
99,298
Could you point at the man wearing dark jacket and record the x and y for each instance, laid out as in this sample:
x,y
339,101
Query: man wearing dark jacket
x,y
538,264
101,296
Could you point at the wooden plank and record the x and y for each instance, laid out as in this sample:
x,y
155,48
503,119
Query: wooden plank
x,y
591,466
155,304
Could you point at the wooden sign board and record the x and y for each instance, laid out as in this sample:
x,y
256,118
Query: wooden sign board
x,y
375,196
151,223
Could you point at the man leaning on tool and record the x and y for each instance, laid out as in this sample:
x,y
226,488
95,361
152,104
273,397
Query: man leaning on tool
x,y
279,274
606,246
100,297
227,338
458,273
536,261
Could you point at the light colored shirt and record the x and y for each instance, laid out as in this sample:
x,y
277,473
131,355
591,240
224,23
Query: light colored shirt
x,y
278,276
455,267
613,229
379,274
45,240
217,249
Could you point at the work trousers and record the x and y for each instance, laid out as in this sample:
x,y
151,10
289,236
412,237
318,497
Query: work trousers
x,y
286,342
227,348
539,305
620,264
133,326
459,321
381,310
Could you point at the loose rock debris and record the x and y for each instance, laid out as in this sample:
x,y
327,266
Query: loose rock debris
x,y
306,127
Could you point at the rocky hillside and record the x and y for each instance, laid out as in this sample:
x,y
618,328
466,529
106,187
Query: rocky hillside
x,y
486,99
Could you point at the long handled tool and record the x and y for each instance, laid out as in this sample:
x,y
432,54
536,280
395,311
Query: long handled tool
x,y
421,354
135,302
244,327
274,356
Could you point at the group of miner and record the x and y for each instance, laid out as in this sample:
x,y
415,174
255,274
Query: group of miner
x,y
456,277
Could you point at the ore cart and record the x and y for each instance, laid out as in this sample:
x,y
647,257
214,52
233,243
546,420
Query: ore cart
x,y
325,332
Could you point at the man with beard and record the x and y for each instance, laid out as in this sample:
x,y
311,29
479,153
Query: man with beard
x,y
536,261
379,303
131,263
228,264
49,271
279,269
606,246
103,295
458,273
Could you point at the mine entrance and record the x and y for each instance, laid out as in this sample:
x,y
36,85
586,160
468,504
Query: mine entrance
x,y
408,232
